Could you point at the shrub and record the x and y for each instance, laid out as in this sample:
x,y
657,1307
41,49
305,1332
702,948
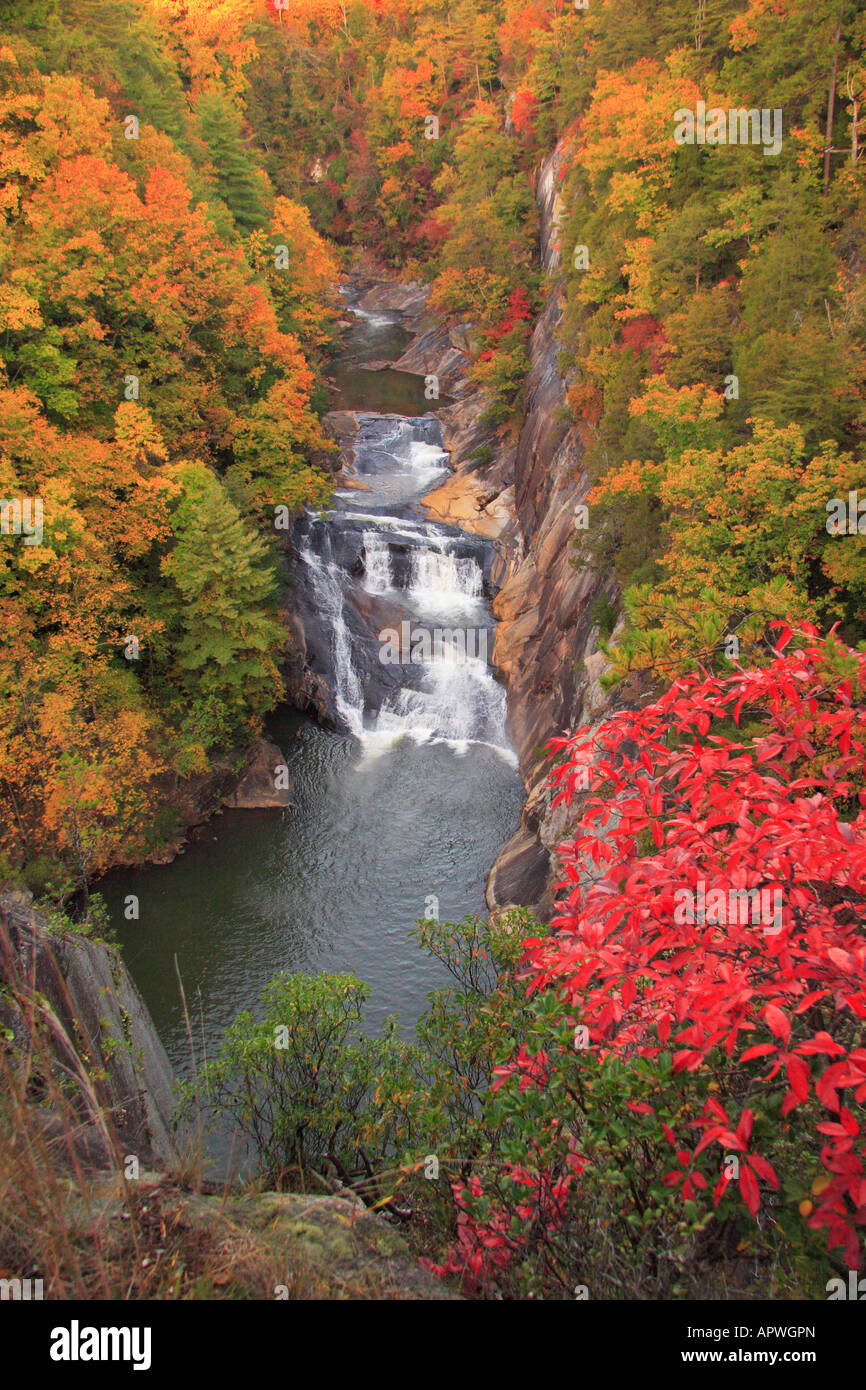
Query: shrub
x,y
722,1062
303,1085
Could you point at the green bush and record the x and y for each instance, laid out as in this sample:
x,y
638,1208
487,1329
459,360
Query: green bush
x,y
303,1085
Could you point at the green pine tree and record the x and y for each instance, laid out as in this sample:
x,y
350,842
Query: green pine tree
x,y
225,634
236,180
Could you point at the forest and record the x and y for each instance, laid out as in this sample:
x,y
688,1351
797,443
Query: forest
x,y
648,1103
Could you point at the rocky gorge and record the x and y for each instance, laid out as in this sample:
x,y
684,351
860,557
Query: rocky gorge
x,y
518,498
471,529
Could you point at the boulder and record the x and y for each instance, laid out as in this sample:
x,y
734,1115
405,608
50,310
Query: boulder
x,y
258,789
519,876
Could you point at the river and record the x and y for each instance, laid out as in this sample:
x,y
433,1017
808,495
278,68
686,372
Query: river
x,y
401,808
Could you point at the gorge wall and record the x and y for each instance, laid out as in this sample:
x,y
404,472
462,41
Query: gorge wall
x,y
523,498
100,1035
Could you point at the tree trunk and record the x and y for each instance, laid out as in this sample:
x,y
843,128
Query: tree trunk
x,y
831,103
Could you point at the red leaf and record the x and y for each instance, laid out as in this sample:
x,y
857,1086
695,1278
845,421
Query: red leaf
x,y
777,1022
749,1189
799,1075
764,1170
761,1050
823,1044
720,1190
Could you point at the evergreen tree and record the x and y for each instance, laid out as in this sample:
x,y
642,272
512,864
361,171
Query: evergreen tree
x,y
225,635
235,177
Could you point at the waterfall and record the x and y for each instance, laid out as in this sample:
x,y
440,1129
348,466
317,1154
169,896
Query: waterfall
x,y
397,618
325,583
444,584
377,563
459,702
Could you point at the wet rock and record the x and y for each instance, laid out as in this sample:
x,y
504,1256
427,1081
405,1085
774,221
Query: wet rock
x,y
306,689
340,424
440,352
389,297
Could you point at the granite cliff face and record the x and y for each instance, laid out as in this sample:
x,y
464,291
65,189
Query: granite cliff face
x,y
523,498
547,640
102,1040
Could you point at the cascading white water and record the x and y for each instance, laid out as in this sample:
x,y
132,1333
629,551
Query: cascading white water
x,y
459,702
398,456
377,563
444,689
454,696
374,320
428,461
325,581
445,584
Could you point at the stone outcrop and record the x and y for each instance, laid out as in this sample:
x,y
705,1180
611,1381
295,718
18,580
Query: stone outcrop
x,y
440,351
233,1245
479,495
333,1243
101,1037
547,640
265,783
305,688
546,631
389,297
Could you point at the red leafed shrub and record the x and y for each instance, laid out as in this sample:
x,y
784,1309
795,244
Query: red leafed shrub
x,y
645,332
732,1023
518,315
502,367
782,812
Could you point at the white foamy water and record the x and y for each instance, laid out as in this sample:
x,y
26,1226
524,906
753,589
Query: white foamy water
x,y
375,320
446,585
447,691
377,563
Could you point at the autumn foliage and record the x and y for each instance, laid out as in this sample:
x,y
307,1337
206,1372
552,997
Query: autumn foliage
x,y
159,364
735,1031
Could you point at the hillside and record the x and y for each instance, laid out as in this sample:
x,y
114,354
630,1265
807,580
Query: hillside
x,y
432,467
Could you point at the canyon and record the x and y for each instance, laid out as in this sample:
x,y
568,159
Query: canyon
x,y
519,500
